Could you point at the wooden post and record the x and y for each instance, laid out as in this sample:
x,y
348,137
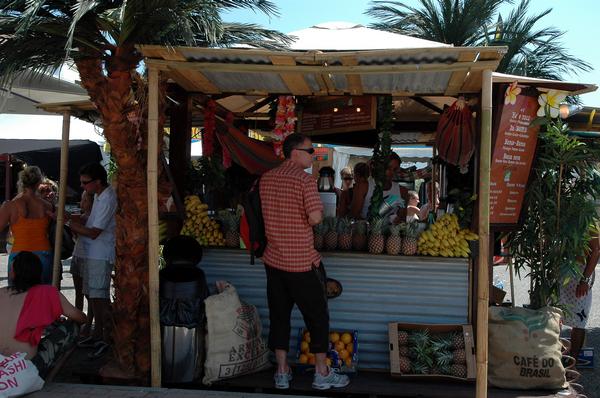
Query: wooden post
x,y
483,293
152,182
62,197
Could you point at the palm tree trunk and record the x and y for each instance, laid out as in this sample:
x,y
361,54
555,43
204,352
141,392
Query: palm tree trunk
x,y
113,97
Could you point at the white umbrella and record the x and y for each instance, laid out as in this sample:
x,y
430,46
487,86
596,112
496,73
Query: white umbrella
x,y
343,36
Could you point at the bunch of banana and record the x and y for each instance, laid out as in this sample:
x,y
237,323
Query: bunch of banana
x,y
199,225
445,238
163,230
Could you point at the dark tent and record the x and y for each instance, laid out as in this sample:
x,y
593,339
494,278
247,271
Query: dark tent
x,y
46,155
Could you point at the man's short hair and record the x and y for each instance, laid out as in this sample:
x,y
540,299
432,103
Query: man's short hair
x,y
95,171
292,141
395,156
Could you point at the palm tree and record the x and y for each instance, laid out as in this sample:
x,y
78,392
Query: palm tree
x,y
99,37
456,22
535,52
532,51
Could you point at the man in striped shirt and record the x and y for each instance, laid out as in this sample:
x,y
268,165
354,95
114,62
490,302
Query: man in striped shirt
x,y
291,206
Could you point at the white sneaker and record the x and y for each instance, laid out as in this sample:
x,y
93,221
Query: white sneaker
x,y
282,380
333,379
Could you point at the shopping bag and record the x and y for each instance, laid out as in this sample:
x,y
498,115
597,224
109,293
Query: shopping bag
x,y
525,349
234,345
18,376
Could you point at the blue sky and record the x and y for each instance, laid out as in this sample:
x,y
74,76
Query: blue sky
x,y
580,19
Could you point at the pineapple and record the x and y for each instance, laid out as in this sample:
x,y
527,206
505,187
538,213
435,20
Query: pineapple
x,y
459,356
422,351
402,337
318,232
331,236
458,340
405,365
359,236
458,371
393,245
376,238
409,243
403,351
345,233
231,225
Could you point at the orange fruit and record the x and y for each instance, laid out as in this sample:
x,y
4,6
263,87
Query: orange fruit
x,y
348,362
303,358
346,338
328,360
307,337
311,360
310,355
304,347
350,347
339,346
344,354
334,337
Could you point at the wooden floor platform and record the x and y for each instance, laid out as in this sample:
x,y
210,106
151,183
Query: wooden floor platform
x,y
371,384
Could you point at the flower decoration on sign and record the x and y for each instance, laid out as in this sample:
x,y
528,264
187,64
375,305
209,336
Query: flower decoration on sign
x,y
285,121
550,103
512,91
208,137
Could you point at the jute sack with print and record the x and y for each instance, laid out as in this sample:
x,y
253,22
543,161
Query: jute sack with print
x,y
234,345
524,348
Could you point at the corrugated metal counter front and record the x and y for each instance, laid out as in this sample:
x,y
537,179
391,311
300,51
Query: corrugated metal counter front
x,y
377,289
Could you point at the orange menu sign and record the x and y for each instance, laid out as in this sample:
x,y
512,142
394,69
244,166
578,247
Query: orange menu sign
x,y
513,155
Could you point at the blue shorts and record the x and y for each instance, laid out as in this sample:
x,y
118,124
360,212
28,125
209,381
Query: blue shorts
x,y
45,256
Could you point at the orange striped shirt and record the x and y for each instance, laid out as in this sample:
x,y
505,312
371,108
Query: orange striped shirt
x,y
288,194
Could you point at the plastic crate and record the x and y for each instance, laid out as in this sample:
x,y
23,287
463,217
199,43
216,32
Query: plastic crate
x,y
347,367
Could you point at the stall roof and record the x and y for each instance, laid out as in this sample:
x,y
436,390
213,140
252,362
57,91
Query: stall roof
x,y
400,72
28,90
572,88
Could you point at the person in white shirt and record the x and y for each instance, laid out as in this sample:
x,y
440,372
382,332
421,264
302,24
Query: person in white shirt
x,y
98,234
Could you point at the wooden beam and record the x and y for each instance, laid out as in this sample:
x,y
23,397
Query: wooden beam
x,y
338,69
457,78
472,82
427,104
153,239
62,198
152,51
483,293
193,81
353,79
294,81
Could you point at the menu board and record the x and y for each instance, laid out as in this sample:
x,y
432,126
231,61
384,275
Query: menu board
x,y
337,114
513,155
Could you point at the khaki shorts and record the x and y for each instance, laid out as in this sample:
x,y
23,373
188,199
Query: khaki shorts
x,y
96,278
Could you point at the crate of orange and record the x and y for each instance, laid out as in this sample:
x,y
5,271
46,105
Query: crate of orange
x,y
342,353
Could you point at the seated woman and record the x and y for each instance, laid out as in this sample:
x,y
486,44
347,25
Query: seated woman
x,y
413,213
30,309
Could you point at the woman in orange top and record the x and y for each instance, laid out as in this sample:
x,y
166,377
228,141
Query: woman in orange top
x,y
27,215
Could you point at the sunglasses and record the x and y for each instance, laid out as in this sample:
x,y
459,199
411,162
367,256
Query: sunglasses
x,y
348,178
307,150
84,183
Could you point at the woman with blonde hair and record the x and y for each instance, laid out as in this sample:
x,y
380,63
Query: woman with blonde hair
x,y
27,216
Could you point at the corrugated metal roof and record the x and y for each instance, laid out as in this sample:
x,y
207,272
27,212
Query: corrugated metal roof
x,y
377,289
408,71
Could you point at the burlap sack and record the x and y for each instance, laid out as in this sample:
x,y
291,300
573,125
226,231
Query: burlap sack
x,y
234,345
524,348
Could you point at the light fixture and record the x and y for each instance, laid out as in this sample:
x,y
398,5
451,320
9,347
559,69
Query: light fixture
x,y
335,109
565,109
358,109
